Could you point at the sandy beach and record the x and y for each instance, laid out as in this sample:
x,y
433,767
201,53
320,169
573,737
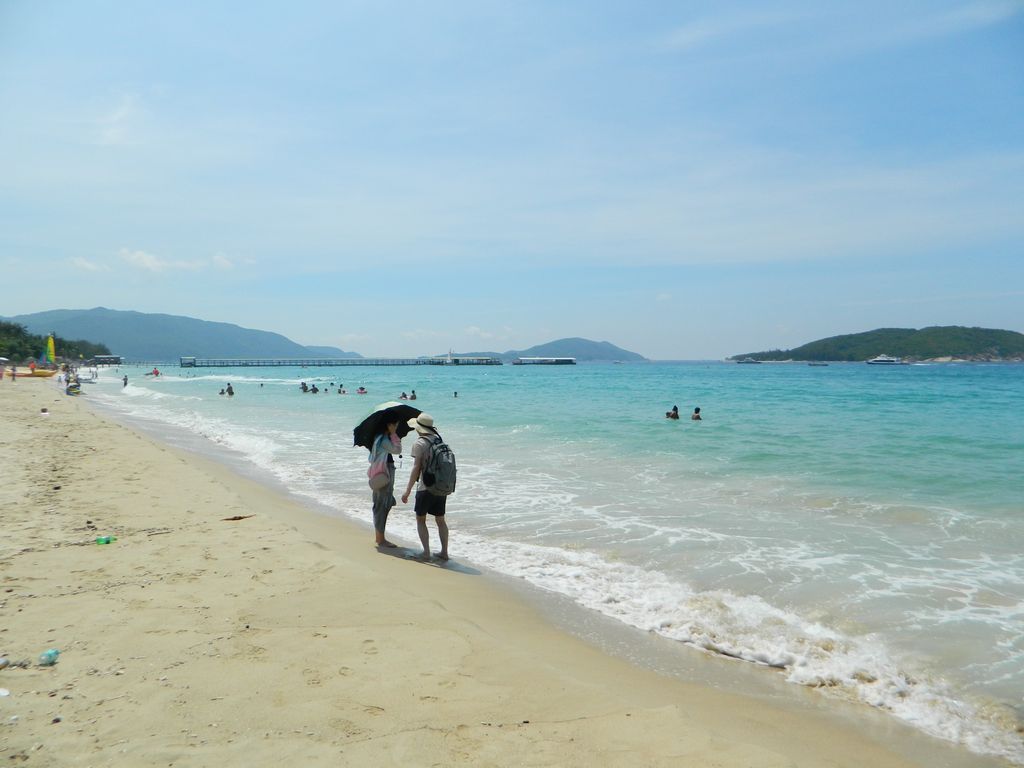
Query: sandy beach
x,y
199,640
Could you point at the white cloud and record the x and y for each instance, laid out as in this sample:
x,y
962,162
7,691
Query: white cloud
x,y
702,31
152,263
829,32
765,208
142,259
118,125
88,266
963,19
474,331
222,262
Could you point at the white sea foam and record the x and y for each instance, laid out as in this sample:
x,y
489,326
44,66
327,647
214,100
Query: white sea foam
x,y
235,377
746,627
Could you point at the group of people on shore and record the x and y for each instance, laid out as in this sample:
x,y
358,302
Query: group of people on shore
x,y
67,374
388,444
674,414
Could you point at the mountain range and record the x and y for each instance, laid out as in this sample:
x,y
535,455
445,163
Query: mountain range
x,y
138,336
143,336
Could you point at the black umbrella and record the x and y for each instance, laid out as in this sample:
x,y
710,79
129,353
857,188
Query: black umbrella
x,y
384,413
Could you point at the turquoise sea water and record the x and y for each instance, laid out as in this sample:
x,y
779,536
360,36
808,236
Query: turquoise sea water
x,y
859,527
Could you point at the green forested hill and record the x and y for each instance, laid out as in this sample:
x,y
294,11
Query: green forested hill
x,y
950,341
18,345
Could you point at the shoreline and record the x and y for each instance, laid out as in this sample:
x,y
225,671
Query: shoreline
x,y
286,635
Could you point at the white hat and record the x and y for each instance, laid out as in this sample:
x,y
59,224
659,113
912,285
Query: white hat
x,y
424,424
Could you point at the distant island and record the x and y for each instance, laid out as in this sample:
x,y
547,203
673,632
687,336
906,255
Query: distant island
x,y
584,350
937,344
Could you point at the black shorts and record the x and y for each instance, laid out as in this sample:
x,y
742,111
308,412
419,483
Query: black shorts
x,y
429,504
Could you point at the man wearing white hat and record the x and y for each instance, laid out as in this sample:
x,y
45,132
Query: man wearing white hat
x,y
426,502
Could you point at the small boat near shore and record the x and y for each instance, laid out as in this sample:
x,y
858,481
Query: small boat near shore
x,y
885,360
748,361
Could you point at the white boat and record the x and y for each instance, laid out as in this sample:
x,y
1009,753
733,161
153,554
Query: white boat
x,y
748,361
885,360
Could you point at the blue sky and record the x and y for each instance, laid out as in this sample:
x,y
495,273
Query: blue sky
x,y
685,180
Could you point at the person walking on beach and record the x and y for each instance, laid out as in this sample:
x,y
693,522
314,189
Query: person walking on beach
x,y
385,445
426,502
124,381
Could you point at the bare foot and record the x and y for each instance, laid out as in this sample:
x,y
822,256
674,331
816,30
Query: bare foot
x,y
421,556
386,543
443,556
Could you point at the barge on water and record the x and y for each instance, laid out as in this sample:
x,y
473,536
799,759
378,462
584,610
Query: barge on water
x,y
544,361
327,362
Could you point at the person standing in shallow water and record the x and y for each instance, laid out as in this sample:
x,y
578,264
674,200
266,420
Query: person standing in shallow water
x,y
426,503
385,445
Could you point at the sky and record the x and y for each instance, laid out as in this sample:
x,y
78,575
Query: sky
x,y
687,180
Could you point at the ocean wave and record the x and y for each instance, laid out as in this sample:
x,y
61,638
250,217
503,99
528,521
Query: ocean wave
x,y
748,628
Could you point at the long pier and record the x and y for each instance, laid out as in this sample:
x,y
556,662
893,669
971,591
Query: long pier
x,y
327,362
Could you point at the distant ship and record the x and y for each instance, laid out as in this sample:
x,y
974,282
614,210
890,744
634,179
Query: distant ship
x,y
748,361
885,360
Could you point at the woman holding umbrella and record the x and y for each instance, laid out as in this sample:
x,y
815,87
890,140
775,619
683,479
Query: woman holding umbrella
x,y
385,445
381,433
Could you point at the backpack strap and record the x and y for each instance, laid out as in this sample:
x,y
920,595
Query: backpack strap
x,y
425,454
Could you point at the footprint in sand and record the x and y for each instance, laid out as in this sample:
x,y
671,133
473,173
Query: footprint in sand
x,y
369,648
346,727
